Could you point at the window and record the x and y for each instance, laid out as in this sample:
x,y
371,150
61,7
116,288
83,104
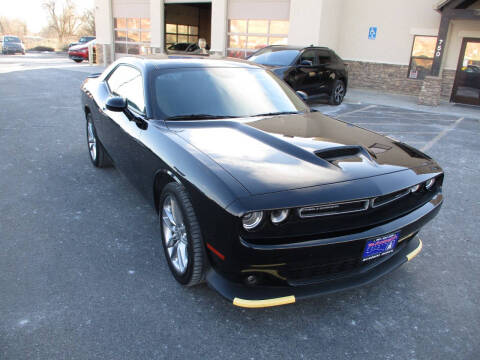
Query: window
x,y
275,56
177,33
324,57
132,35
127,81
421,60
221,92
247,36
309,56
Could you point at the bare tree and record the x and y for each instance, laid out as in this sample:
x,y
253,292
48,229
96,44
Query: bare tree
x,y
12,27
88,23
63,20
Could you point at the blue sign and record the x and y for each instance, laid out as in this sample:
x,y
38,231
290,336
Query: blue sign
x,y
372,33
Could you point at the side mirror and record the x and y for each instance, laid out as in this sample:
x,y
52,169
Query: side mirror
x,y
303,95
116,103
306,63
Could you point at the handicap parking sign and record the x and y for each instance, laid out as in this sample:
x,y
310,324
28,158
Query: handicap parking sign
x,y
372,33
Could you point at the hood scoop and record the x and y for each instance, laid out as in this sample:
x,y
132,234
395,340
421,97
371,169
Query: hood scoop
x,y
343,153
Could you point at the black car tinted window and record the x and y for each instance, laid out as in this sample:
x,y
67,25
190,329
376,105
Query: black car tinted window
x,y
127,81
324,57
274,57
308,55
225,92
179,47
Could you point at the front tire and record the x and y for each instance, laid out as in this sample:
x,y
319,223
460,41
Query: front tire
x,y
78,60
181,236
97,153
338,93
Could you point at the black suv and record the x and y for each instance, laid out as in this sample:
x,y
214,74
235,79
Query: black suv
x,y
317,71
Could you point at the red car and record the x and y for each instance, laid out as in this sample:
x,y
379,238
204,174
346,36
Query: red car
x,y
79,52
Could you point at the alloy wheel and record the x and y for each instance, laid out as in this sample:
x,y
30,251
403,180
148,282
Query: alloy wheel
x,y
339,93
175,234
92,141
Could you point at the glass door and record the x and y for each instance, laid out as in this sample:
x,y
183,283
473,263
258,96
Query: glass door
x,y
466,88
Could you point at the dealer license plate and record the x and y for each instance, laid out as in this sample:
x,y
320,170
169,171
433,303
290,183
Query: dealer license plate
x,y
379,247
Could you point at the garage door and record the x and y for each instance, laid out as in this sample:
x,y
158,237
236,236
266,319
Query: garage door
x,y
254,24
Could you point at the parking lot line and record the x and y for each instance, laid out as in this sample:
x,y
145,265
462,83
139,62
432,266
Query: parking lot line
x,y
358,110
442,134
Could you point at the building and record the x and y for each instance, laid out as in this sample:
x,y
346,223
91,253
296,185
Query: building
x,y
426,48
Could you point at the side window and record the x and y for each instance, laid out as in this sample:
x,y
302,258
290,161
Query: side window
x,y
127,81
308,55
324,57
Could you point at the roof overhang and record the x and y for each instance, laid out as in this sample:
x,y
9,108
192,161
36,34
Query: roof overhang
x,y
453,4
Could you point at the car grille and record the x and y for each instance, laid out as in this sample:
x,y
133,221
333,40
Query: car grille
x,y
351,206
336,269
333,209
385,199
314,223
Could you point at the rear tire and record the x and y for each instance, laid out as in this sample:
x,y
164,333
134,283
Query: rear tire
x,y
77,60
338,93
181,235
97,153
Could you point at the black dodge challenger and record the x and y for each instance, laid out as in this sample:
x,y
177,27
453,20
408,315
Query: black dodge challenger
x,y
261,197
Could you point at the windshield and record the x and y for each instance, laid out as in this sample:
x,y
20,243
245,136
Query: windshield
x,y
221,92
274,57
13,39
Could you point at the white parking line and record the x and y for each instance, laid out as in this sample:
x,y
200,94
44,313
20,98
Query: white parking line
x,y
442,134
392,124
358,110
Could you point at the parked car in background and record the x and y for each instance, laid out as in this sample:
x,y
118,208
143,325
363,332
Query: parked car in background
x,y
317,71
11,45
82,40
258,195
183,48
79,52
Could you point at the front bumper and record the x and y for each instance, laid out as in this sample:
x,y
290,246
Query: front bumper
x,y
13,50
271,295
78,56
259,297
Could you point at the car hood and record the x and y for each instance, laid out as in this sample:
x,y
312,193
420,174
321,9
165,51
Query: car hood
x,y
278,153
80,46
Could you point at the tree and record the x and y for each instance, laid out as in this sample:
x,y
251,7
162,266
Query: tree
x,y
88,23
62,19
12,27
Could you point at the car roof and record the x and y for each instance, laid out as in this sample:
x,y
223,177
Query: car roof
x,y
185,61
295,47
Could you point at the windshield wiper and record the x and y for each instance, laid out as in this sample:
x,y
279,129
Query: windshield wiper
x,y
199,117
277,113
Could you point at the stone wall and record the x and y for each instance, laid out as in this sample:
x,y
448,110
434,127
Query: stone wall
x,y
100,56
393,79
431,90
448,77
384,77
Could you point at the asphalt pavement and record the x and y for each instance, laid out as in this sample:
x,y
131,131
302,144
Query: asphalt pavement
x,y
82,275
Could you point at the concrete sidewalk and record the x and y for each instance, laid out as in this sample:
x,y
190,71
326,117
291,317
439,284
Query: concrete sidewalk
x,y
363,96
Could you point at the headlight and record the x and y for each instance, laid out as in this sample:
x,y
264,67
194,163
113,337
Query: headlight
x,y
429,183
277,216
252,220
415,188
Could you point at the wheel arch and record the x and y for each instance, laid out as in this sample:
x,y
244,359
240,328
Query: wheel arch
x,y
162,177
